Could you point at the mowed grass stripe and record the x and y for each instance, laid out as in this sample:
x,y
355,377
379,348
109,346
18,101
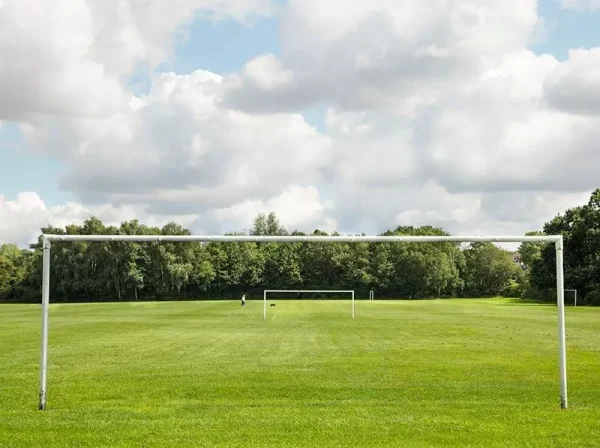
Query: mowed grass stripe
x,y
404,373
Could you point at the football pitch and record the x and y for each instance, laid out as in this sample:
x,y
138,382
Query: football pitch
x,y
404,373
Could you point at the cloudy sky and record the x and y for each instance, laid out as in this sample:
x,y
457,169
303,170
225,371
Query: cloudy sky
x,y
481,116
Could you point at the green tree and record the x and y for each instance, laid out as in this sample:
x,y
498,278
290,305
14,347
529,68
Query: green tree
x,y
531,253
267,225
490,270
282,266
11,270
324,265
580,227
237,266
415,269
132,271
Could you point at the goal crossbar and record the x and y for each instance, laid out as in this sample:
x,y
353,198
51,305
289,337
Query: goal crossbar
x,y
556,239
308,238
304,291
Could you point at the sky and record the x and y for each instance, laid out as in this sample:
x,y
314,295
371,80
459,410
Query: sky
x,y
478,116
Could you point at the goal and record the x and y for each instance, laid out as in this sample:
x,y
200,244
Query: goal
x,y
303,291
556,239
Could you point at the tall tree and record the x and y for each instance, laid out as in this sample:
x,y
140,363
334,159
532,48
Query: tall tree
x,y
238,266
267,225
531,252
580,227
417,270
490,270
324,265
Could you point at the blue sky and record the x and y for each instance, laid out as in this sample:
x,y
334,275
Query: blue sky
x,y
224,48
567,29
23,171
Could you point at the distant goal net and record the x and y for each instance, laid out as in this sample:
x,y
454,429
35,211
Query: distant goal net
x,y
310,294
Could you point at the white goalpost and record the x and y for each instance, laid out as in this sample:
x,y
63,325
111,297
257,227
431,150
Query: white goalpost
x,y
556,239
574,291
303,291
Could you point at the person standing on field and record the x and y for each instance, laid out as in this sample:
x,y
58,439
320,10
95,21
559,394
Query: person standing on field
x,y
244,300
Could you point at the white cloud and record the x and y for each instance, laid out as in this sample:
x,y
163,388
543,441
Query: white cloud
x,y
384,53
460,161
497,134
45,67
574,86
22,218
176,148
580,5
72,57
298,207
470,213
438,115
267,72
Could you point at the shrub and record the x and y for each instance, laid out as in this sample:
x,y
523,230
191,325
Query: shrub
x,y
592,298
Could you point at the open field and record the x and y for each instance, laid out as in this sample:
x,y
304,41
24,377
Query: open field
x,y
404,373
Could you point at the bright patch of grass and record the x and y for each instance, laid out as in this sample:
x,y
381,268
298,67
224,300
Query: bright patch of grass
x,y
404,373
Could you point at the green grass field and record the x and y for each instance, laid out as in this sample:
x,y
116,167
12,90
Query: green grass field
x,y
419,373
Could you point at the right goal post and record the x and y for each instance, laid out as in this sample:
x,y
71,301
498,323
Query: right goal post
x,y
303,291
574,291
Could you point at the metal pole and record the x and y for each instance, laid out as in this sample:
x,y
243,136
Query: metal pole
x,y
560,298
265,305
45,303
305,239
352,305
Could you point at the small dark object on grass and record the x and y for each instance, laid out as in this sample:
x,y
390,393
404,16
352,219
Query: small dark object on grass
x,y
272,304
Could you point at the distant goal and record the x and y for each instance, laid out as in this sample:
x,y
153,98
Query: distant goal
x,y
266,292
574,295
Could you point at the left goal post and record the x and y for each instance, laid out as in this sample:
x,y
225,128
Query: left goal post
x,y
303,291
47,241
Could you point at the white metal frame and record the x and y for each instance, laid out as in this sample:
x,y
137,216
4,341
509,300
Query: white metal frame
x,y
575,291
556,239
371,295
266,291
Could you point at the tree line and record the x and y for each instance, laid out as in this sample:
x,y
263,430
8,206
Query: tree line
x,y
108,271
580,228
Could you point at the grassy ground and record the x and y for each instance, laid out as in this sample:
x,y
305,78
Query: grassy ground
x,y
432,373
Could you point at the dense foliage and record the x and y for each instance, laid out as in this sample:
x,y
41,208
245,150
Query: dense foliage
x,y
163,271
580,227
